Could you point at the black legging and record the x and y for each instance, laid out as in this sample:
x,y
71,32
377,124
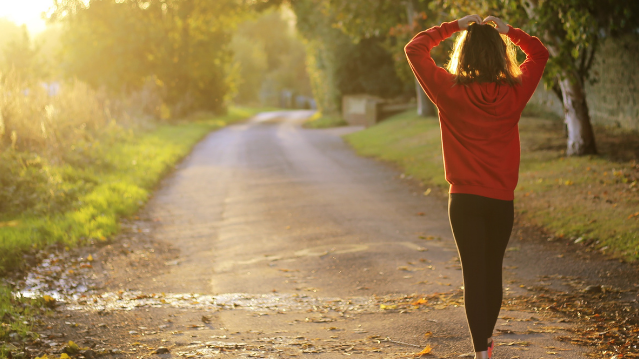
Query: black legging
x,y
481,227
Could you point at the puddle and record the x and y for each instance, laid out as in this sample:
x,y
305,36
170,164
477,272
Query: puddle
x,y
60,276
275,302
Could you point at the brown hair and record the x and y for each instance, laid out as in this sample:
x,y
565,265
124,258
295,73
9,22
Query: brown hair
x,y
482,54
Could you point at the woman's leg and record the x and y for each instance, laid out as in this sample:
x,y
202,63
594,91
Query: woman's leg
x,y
467,220
499,224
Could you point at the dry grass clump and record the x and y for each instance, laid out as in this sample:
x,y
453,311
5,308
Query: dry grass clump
x,y
49,119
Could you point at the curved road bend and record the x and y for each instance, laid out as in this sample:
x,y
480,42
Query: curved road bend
x,y
292,243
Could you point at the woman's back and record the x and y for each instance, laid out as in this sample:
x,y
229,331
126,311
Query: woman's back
x,y
480,138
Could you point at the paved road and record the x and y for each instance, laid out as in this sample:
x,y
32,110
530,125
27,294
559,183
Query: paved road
x,y
270,240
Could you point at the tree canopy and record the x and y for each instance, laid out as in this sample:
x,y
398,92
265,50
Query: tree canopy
x,y
182,46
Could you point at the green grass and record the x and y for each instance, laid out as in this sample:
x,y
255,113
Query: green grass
x,y
115,181
413,143
320,121
16,314
594,198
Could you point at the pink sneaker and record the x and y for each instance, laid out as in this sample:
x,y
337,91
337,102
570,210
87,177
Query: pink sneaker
x,y
490,348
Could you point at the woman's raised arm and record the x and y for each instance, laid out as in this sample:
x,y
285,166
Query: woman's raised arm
x,y
430,76
536,58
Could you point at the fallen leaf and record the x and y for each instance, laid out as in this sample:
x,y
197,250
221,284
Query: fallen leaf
x,y
72,347
420,301
427,192
426,351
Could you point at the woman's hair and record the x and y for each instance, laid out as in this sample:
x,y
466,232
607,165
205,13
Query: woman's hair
x,y
482,54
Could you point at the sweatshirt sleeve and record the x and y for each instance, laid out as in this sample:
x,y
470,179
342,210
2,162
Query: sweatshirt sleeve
x,y
431,77
536,57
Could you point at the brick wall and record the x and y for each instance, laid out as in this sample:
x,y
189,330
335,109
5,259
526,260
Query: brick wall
x,y
614,98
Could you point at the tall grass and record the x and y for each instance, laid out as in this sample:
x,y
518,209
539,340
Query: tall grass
x,y
33,120
71,125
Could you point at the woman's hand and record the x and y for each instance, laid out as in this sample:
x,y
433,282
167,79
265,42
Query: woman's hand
x,y
501,25
467,20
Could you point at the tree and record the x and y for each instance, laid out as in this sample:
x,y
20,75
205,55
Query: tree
x,y
270,57
571,30
398,21
182,44
337,64
22,56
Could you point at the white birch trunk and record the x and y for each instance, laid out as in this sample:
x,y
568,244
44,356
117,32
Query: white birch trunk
x,y
581,139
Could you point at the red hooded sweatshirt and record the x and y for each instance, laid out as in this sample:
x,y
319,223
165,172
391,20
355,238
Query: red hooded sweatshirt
x,y
480,137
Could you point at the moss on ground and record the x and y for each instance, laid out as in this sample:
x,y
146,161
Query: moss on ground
x,y
592,199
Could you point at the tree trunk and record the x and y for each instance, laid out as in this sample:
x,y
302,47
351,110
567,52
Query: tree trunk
x,y
581,139
425,107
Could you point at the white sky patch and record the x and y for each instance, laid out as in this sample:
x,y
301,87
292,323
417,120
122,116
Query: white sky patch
x,y
27,12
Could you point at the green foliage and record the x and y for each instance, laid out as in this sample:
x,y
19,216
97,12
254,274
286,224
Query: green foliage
x,y
82,200
393,23
270,57
181,46
367,67
570,29
338,64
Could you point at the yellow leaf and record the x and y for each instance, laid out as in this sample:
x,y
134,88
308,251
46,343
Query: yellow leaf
x,y
420,302
48,298
386,307
90,258
43,357
64,356
72,347
427,192
426,351
428,334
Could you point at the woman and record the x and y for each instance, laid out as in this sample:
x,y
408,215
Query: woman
x,y
480,100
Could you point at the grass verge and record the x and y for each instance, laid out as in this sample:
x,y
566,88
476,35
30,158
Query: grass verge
x,y
593,199
112,181
321,121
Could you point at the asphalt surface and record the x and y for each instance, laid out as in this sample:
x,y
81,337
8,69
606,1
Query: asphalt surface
x,y
270,240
